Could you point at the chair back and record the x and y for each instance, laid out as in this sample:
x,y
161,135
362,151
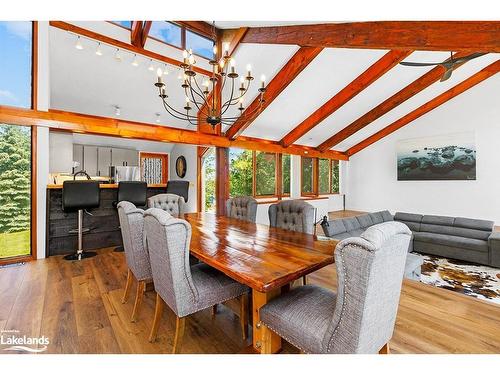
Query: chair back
x,y
178,187
80,195
243,208
134,242
370,271
295,215
171,203
168,245
133,191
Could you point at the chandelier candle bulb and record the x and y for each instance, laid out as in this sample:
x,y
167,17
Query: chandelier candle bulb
x,y
215,50
226,48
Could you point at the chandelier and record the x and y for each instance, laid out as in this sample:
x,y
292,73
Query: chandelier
x,y
199,100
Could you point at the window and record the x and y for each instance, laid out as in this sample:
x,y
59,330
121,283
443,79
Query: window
x,y
335,177
166,32
15,63
265,173
240,172
15,185
125,24
285,170
324,176
199,44
307,176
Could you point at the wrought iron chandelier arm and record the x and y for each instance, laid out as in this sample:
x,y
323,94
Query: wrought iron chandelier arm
x,y
192,96
246,114
200,94
166,105
225,106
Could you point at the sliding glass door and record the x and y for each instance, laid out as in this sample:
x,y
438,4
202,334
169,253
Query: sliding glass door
x,y
15,191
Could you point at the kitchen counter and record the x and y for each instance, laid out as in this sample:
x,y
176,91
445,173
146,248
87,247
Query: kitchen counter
x,y
104,224
108,186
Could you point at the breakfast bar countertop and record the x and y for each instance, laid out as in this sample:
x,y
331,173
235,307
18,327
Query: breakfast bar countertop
x,y
107,186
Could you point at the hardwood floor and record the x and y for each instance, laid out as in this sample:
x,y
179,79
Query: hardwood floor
x,y
77,305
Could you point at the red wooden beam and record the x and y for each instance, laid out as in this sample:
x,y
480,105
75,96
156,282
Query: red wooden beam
x,y
415,35
283,78
145,32
401,96
480,76
365,79
135,33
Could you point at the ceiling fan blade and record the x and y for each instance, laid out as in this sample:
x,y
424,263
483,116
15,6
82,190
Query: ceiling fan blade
x,y
446,75
468,57
408,63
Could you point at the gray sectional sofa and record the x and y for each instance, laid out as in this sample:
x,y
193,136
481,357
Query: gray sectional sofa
x,y
460,238
340,229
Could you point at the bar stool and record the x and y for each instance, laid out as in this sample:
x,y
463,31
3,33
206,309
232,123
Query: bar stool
x,y
134,192
80,196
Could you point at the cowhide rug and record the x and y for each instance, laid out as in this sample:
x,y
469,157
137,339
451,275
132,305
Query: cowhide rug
x,y
474,280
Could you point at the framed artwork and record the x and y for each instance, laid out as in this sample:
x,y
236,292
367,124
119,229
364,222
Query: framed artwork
x,y
180,166
442,157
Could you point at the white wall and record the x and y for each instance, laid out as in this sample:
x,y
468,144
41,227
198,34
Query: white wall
x,y
372,176
191,155
61,152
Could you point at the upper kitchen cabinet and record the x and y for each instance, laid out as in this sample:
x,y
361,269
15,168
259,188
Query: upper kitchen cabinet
x,y
124,157
103,161
90,160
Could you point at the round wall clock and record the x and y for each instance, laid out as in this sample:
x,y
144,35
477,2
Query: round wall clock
x,y
180,166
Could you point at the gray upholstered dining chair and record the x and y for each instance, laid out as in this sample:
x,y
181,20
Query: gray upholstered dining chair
x,y
243,208
132,228
184,288
171,203
295,215
360,317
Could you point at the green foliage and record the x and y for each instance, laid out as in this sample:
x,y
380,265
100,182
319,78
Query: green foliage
x,y
15,244
335,177
240,172
324,176
307,175
209,182
15,180
265,173
286,160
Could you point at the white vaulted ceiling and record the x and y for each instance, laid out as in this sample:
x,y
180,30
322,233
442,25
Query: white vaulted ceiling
x,y
83,82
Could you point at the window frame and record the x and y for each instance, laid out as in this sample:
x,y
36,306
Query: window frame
x,y
315,182
119,25
183,38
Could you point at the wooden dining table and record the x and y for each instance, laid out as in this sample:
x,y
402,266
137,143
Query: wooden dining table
x,y
264,258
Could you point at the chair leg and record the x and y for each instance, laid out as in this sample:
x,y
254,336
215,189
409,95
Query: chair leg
x,y
214,311
179,334
244,316
127,286
385,349
304,280
157,318
141,286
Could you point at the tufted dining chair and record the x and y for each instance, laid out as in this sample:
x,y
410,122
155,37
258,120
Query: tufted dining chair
x,y
360,317
243,208
184,288
171,203
295,215
132,229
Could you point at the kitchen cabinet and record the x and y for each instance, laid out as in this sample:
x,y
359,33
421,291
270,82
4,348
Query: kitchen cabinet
x,y
124,157
103,161
90,160
78,156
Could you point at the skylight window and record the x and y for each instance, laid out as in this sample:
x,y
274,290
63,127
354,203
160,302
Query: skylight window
x,y
166,32
126,24
200,45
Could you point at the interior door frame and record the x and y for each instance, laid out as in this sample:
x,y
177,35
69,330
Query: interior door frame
x,y
156,155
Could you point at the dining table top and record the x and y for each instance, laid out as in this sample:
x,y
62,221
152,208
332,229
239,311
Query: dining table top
x,y
261,257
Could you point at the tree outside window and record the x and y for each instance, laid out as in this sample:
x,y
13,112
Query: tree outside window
x,y
240,172
285,169
324,176
265,173
307,175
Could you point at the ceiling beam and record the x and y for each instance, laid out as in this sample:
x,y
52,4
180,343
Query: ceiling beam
x,y
87,124
481,36
122,45
145,32
281,80
199,27
365,79
135,33
480,76
389,104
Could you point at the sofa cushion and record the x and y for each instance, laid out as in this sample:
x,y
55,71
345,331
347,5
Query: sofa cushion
x,y
365,221
386,215
356,232
411,220
351,223
376,217
334,227
482,225
451,241
438,220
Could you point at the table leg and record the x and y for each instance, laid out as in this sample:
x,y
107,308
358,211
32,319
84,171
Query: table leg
x,y
264,340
